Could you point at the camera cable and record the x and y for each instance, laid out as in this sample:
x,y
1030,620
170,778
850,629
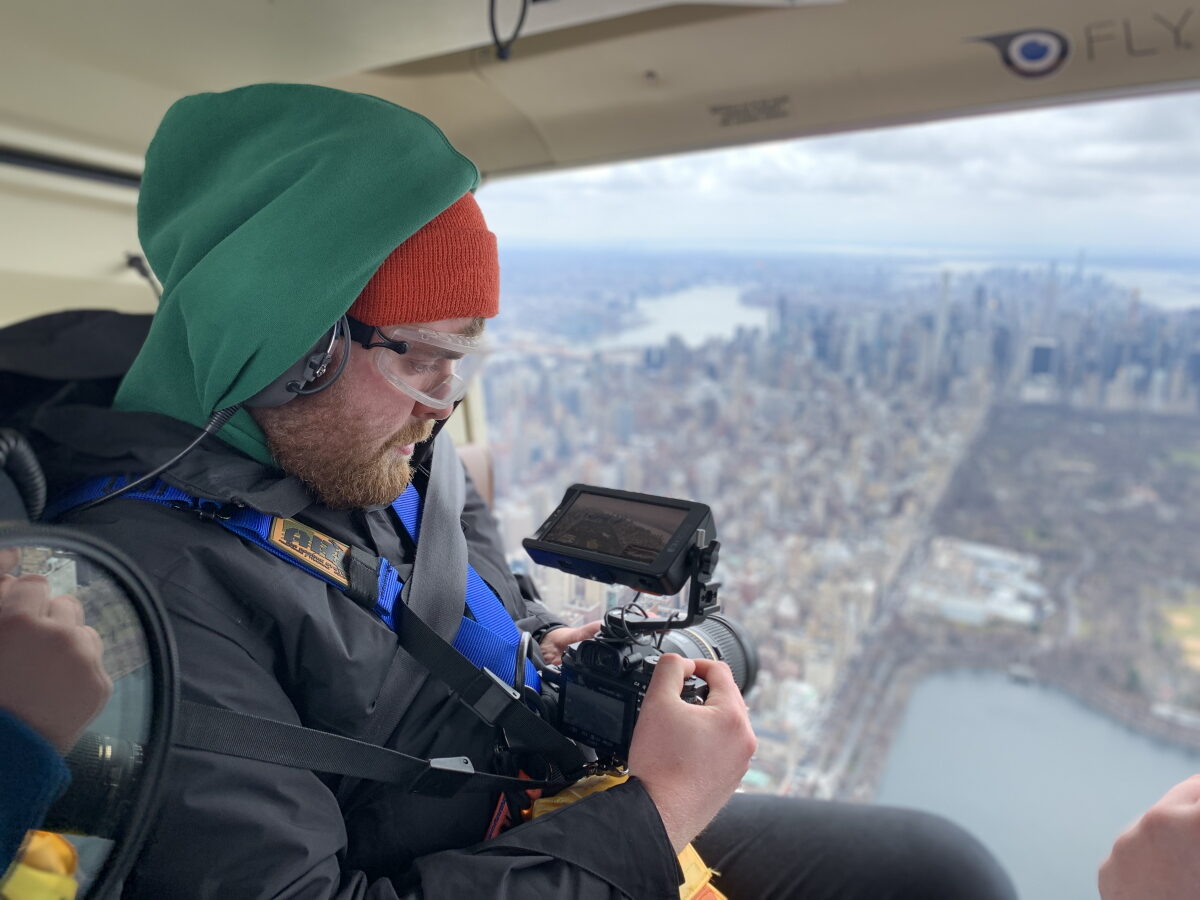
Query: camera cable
x,y
214,424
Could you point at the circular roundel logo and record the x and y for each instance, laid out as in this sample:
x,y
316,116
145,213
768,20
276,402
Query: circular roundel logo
x,y
1031,53
1037,52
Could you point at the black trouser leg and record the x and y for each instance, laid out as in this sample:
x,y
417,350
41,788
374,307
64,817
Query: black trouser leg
x,y
767,847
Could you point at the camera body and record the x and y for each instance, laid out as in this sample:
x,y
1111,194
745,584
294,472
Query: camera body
x,y
655,545
600,691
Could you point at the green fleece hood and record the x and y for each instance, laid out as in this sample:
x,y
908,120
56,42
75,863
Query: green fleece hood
x,y
264,211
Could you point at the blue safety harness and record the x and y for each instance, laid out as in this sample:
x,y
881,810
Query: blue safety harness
x,y
487,637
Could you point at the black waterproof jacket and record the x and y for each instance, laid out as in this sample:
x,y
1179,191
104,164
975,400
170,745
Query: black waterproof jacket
x,y
258,635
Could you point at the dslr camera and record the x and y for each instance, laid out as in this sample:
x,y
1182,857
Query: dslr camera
x,y
655,545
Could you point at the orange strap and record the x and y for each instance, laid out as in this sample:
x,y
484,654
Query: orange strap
x,y
505,816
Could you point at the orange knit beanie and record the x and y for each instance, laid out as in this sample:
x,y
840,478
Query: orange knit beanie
x,y
447,270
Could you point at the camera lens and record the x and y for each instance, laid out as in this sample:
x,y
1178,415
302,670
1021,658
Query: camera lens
x,y
717,638
104,771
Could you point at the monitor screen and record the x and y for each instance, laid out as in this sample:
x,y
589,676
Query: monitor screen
x,y
614,526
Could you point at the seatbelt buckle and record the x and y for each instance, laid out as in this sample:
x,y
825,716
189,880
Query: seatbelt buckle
x,y
445,777
208,510
488,696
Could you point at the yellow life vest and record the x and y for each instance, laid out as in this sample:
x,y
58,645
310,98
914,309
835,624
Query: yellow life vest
x,y
697,883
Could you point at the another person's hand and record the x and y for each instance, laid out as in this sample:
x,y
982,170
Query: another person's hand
x,y
1159,857
558,640
691,758
51,665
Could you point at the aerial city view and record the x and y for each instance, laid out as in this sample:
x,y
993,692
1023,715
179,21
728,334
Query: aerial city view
x,y
586,449
912,470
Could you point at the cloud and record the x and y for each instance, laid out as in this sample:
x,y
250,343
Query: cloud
x,y
1120,172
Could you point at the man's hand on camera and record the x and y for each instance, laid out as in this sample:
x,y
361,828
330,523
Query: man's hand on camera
x,y
691,758
558,640
51,665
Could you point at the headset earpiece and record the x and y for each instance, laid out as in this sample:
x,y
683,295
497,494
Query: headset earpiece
x,y
315,363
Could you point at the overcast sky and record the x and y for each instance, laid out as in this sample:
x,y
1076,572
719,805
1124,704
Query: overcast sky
x,y
1114,178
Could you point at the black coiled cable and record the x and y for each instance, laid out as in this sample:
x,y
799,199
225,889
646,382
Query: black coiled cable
x,y
18,460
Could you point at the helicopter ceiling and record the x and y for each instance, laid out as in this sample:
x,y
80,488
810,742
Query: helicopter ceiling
x,y
588,81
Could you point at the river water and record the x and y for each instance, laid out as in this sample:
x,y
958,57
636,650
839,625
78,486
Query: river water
x,y
694,315
1044,782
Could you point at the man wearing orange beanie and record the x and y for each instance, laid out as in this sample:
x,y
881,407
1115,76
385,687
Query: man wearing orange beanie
x,y
306,205
327,275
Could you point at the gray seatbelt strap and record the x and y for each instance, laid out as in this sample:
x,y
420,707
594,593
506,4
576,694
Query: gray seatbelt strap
x,y
434,592
438,583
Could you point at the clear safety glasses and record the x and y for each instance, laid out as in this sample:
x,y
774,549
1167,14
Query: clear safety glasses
x,y
435,368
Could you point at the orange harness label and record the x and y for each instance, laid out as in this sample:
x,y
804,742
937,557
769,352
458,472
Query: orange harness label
x,y
315,550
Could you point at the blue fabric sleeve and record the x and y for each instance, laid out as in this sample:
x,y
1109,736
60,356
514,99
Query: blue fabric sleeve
x,y
32,776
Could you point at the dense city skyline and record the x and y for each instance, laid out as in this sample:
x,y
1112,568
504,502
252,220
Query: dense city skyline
x,y
906,468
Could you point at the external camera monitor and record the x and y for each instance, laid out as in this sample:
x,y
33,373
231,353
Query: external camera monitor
x,y
619,537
